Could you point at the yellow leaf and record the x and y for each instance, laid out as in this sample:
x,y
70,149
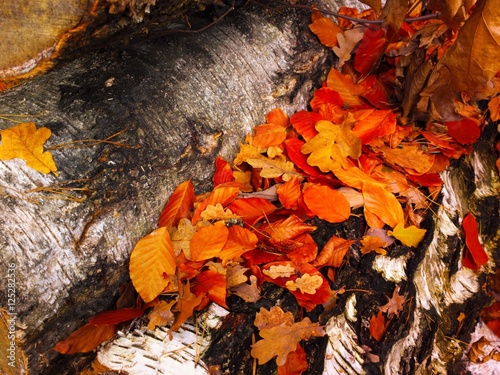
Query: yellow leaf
x,y
247,151
372,243
24,141
410,236
280,270
151,262
274,168
330,148
217,212
181,236
306,283
383,204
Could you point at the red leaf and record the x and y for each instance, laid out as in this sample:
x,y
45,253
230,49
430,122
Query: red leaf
x,y
293,147
178,206
378,326
370,49
374,123
252,210
296,362
475,257
213,284
223,172
116,316
326,95
277,117
465,131
289,193
85,339
304,121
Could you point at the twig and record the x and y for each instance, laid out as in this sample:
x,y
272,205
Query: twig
x,y
91,142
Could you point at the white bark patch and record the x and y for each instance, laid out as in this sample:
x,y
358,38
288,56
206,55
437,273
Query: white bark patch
x,y
391,269
350,308
343,354
463,285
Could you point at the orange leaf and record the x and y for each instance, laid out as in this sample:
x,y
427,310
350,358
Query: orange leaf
x,y
208,241
277,117
326,31
239,241
303,122
374,123
327,204
370,49
354,177
178,206
333,252
493,106
289,193
344,85
286,229
296,362
26,142
293,147
161,315
325,95
213,284
116,316
268,135
378,326
252,210
475,256
373,243
410,157
303,249
85,339
382,203
222,194
152,258
223,172
185,305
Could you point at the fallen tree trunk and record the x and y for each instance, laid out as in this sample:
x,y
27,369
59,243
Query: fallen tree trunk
x,y
176,103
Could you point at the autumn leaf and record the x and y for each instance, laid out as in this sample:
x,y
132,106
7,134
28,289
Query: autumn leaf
x,y
247,150
409,157
151,260
324,95
217,212
369,50
330,148
465,131
161,315
280,335
378,326
116,316
278,117
327,203
286,229
305,283
289,193
494,108
372,123
293,147
267,135
213,284
208,241
85,339
395,304
223,172
372,243
344,85
475,256
25,141
382,203
394,13
251,210
347,41
178,206
187,302
274,168
410,236
326,31
239,241
296,362
222,194
303,122
333,252
279,270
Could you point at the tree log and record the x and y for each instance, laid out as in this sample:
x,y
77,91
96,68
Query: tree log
x,y
177,103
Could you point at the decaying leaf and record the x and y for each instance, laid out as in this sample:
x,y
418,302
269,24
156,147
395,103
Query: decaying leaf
x,y
25,141
161,315
378,326
305,283
395,304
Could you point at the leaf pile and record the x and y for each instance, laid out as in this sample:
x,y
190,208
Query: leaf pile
x,y
376,136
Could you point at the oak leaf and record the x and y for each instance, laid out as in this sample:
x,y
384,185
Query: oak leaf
x,y
247,150
187,302
161,315
279,270
347,41
25,141
282,339
181,236
223,194
305,283
217,212
178,206
410,236
273,317
274,168
152,258
373,243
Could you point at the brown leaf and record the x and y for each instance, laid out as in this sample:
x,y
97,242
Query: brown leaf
x,y
161,315
394,13
395,304
85,339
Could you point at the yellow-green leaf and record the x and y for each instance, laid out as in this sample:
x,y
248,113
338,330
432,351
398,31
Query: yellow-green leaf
x,y
151,262
25,142
410,236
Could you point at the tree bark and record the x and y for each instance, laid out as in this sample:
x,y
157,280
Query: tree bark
x,y
178,102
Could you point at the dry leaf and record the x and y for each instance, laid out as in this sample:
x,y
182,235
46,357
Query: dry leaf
x,y
327,203
161,315
410,236
152,259
347,41
85,339
395,304
326,31
26,142
178,206
187,302
280,270
305,283
274,168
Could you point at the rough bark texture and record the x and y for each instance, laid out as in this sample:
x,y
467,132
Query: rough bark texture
x,y
180,102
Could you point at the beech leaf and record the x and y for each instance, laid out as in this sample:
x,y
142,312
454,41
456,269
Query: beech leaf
x,y
85,339
326,31
151,260
25,141
410,236
383,204
208,241
478,257
327,203
178,206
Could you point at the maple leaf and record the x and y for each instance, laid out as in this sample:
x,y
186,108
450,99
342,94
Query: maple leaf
x,y
410,236
178,206
395,304
282,339
327,203
208,241
330,148
305,283
25,141
85,339
161,315
152,258
347,41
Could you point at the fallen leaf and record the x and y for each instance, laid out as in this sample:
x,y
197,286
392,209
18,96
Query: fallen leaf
x,y
383,204
394,13
274,168
296,362
115,316
494,108
326,31
161,315
208,241
465,131
372,243
151,259
217,212
289,193
409,236
475,256
273,317
222,194
325,95
13,361
279,270
395,304
347,41
223,172
327,203
249,292
378,326
303,122
181,237
178,206
85,339
267,135
370,49
409,157
25,141
344,85
187,302
372,123
239,241
305,283
333,252
213,284
293,147
251,210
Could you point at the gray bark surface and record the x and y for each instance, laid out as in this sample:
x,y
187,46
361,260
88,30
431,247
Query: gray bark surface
x,y
180,101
